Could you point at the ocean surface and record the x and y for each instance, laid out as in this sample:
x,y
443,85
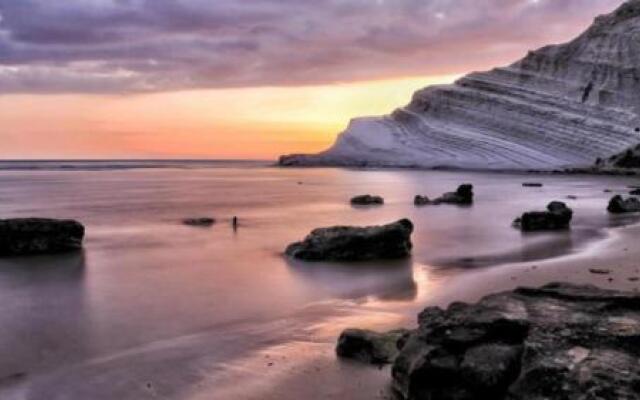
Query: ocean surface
x,y
155,309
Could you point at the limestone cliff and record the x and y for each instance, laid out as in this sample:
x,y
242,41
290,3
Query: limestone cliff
x,y
561,106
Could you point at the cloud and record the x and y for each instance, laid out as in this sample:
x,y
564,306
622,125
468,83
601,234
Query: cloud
x,y
120,46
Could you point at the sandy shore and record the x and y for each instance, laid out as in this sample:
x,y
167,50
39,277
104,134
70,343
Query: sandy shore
x,y
293,358
316,374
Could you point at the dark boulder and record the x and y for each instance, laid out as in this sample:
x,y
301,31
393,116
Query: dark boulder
x,y
532,184
347,243
29,236
619,205
367,200
421,201
371,347
557,217
200,222
635,192
560,341
463,196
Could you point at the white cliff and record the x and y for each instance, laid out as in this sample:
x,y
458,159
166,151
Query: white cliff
x,y
561,106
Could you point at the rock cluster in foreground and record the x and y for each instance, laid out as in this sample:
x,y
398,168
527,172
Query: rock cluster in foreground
x,y
560,341
27,236
348,243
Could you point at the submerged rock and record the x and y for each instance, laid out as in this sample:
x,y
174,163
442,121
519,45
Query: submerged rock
x,y
202,222
619,205
371,347
27,236
367,200
347,243
559,341
557,217
532,184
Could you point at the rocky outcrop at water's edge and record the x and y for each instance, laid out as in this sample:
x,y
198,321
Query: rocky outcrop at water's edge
x,y
560,341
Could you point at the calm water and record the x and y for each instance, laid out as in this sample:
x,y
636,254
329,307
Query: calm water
x,y
152,298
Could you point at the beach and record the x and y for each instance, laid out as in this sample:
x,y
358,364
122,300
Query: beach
x,y
155,309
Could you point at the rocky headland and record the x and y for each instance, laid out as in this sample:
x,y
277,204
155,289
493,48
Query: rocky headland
x,y
574,106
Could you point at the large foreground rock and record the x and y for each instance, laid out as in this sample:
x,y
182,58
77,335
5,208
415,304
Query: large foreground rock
x,y
560,341
347,243
557,217
26,236
560,106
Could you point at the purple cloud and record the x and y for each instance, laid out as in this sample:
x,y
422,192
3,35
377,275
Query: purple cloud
x,y
111,46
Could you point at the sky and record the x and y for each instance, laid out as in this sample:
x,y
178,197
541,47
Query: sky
x,y
242,78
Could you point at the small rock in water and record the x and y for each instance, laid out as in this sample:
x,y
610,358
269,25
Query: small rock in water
x,y
347,243
463,196
532,184
203,222
367,200
572,197
619,205
28,236
371,347
421,200
557,217
599,271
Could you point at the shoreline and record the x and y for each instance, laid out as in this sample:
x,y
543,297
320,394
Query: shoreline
x,y
615,252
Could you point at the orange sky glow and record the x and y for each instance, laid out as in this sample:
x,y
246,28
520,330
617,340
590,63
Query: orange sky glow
x,y
251,123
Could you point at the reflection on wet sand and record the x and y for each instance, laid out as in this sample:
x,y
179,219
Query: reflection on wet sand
x,y
48,317
382,280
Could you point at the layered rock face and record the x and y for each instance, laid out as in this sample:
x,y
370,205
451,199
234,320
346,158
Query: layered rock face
x,y
561,106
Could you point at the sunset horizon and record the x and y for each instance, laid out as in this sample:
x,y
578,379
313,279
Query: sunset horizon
x,y
110,102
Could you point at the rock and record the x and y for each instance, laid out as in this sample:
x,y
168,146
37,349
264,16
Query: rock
x,y
557,217
28,236
599,271
619,205
202,222
561,106
532,184
367,200
421,200
560,341
635,192
371,347
463,196
572,197
345,243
